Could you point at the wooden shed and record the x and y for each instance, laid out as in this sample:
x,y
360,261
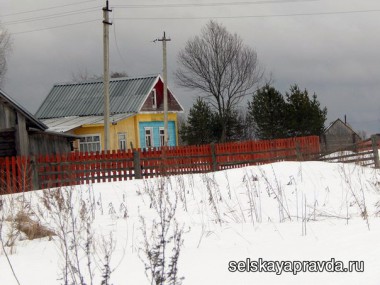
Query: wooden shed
x,y
339,135
23,134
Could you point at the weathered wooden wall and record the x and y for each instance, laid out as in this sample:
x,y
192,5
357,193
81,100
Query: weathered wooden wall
x,y
7,131
7,117
338,136
42,143
7,142
19,137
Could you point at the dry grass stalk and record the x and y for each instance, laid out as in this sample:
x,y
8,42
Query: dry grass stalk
x,y
32,229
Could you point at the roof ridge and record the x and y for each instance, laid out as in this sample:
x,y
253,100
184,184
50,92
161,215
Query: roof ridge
x,y
94,81
346,124
126,95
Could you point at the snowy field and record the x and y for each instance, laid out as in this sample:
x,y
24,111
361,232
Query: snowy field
x,y
194,229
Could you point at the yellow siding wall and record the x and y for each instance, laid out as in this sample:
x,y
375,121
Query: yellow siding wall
x,y
129,126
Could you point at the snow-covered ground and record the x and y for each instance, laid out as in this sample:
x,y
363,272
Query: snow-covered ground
x,y
287,211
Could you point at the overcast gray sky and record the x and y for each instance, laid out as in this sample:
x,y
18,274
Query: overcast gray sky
x,y
330,47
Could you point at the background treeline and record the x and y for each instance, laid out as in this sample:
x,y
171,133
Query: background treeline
x,y
267,115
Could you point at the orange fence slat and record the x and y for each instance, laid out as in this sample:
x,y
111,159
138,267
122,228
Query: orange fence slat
x,y
85,168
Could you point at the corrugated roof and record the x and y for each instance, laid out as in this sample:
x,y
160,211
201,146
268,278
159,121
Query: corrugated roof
x,y
66,124
35,122
86,98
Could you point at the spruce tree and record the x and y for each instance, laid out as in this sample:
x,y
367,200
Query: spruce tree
x,y
268,113
199,127
275,117
304,115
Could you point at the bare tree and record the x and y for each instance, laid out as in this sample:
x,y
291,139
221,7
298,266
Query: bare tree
x,y
218,64
118,74
84,75
5,48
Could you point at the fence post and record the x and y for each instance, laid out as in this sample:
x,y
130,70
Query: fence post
x,y
34,173
137,164
298,151
213,158
375,151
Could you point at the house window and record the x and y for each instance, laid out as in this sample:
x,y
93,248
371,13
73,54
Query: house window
x,y
122,141
89,143
162,136
148,137
154,99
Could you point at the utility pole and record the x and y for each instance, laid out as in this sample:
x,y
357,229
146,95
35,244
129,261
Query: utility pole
x,y
165,75
106,75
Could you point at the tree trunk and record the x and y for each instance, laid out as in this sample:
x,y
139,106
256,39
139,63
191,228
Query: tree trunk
x,y
223,136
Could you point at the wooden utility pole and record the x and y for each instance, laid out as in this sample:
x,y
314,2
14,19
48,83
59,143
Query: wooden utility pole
x,y
165,75
106,75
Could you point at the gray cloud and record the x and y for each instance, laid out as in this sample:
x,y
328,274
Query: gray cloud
x,y
335,56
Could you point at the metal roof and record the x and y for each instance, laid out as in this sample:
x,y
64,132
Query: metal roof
x,y
86,98
66,124
15,105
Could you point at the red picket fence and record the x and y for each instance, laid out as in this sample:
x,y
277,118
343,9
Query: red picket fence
x,y
238,154
15,175
23,174
176,160
79,168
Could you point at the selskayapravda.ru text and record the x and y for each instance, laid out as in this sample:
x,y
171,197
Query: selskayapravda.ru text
x,y
295,266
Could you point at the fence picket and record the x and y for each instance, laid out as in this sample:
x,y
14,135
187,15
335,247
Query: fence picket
x,y
3,182
80,168
8,172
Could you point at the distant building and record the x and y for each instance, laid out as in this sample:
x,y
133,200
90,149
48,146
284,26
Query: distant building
x,y
136,113
339,135
23,134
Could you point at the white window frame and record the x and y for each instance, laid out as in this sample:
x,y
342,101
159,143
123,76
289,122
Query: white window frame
x,y
122,143
154,98
150,135
162,136
92,145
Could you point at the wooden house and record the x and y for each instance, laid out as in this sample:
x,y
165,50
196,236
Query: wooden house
x,y
339,135
23,134
136,113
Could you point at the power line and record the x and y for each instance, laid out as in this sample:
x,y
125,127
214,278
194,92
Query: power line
x,y
52,16
55,27
116,42
49,8
251,16
134,6
209,17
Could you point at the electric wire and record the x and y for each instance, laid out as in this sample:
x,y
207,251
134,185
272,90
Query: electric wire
x,y
250,16
55,27
139,6
53,16
213,17
116,41
48,8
